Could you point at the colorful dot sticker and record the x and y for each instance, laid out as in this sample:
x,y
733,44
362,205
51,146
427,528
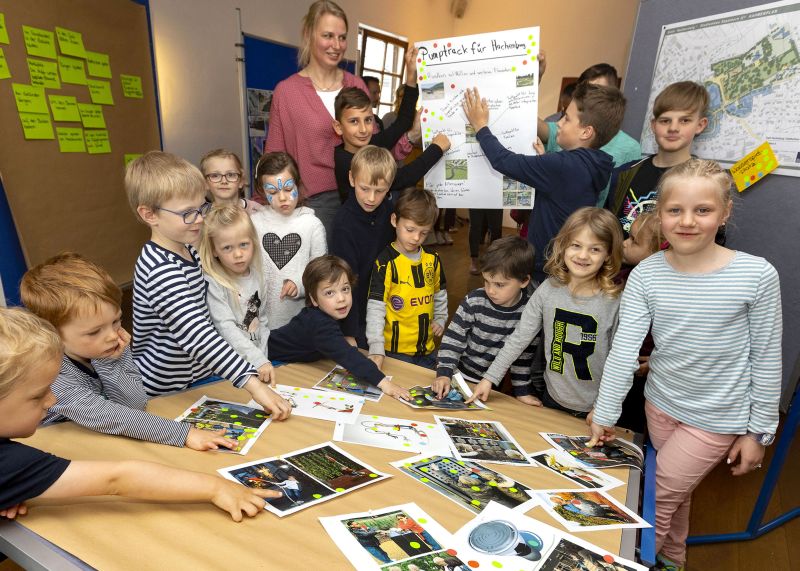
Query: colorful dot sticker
x,y
475,502
422,520
414,544
372,475
316,496
476,488
497,564
424,480
513,68
493,484
340,490
513,490
473,564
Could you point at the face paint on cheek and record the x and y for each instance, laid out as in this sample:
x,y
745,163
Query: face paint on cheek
x,y
294,195
269,198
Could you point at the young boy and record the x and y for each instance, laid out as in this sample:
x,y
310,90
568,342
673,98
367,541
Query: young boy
x,y
678,117
30,358
98,386
407,303
566,180
175,341
321,330
486,317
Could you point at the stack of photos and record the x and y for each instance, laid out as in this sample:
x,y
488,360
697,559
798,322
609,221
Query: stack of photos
x,y
567,467
470,485
500,538
582,510
483,441
394,434
241,423
305,477
395,538
342,381
608,455
425,397
323,405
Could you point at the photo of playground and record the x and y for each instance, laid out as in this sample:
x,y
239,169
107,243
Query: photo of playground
x,y
455,169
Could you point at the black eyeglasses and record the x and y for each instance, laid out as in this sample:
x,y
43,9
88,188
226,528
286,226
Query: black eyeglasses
x,y
229,176
190,216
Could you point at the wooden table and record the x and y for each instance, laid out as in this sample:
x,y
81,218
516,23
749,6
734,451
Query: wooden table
x,y
111,533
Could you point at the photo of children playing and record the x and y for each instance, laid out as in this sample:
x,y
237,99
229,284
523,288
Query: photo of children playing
x,y
332,467
215,411
295,486
342,381
587,509
441,561
391,536
568,555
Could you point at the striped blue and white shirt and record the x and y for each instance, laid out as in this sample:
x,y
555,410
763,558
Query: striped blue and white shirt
x,y
717,358
174,340
112,401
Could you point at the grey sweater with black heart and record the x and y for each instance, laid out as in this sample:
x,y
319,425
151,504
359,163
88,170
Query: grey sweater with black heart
x,y
287,244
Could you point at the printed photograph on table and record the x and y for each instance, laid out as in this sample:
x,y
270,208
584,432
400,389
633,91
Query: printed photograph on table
x,y
619,452
334,467
425,397
394,434
241,423
469,484
323,405
565,466
399,535
482,441
342,381
582,510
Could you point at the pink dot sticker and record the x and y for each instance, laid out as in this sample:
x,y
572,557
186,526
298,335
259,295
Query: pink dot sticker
x,y
435,45
424,119
452,86
421,78
426,110
448,44
419,60
524,62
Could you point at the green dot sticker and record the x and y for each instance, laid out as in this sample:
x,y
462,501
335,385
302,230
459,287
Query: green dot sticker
x,y
353,384
414,544
476,488
224,409
422,520
234,416
316,496
306,396
237,423
453,471
533,44
513,68
497,564
445,461
475,502
424,480
423,469
419,401
373,475
529,51
340,490
407,465
533,58
530,37
240,437
493,484
249,429
513,490
406,444
461,463
258,415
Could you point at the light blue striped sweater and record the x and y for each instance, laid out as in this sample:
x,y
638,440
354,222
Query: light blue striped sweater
x,y
717,358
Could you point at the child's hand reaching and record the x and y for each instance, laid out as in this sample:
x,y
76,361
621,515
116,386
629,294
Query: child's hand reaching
x,y
481,391
600,434
208,440
377,359
289,289
476,109
529,400
411,66
437,330
442,141
12,512
268,399
749,453
393,390
266,374
441,386
237,499
123,340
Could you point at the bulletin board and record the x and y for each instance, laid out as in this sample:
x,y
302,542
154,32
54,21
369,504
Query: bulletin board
x,y
65,190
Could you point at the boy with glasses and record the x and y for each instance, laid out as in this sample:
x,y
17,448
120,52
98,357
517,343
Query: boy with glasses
x,y
174,340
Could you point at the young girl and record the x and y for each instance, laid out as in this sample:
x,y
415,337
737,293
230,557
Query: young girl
x,y
289,236
577,308
715,374
322,329
224,177
236,288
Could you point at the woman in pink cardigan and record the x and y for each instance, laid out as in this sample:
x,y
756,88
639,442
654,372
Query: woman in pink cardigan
x,y
301,116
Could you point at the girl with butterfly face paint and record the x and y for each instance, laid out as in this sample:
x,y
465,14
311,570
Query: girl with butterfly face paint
x,y
290,235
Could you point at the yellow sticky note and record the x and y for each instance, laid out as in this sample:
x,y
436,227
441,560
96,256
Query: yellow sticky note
x,y
98,64
131,86
72,70
38,42
5,73
92,116
100,91
44,73
70,140
30,98
64,108
130,157
754,166
71,43
36,126
97,141
3,29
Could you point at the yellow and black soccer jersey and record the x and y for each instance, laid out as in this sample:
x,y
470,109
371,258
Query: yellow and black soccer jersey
x,y
413,295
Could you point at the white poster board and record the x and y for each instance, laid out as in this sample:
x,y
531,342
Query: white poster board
x,y
503,66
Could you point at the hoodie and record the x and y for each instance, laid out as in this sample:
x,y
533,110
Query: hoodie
x,y
564,181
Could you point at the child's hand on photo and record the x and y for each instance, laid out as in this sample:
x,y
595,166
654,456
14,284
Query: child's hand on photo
x,y
437,329
600,434
237,499
208,440
289,289
377,359
476,109
393,390
12,512
268,399
266,374
441,386
529,400
481,391
442,141
123,340
411,66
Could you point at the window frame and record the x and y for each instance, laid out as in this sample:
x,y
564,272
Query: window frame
x,y
401,45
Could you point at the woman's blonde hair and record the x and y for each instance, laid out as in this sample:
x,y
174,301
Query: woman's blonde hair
x,y
606,228
315,12
218,218
26,340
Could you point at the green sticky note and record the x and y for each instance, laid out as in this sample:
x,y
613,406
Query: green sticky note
x,y
3,30
5,73
44,73
100,91
72,70
70,43
64,108
39,42
92,116
98,64
30,98
36,126
97,142
130,157
131,86
70,140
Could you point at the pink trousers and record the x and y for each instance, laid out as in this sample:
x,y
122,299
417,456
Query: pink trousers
x,y
685,455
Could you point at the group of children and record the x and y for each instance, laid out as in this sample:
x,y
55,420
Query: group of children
x,y
225,289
